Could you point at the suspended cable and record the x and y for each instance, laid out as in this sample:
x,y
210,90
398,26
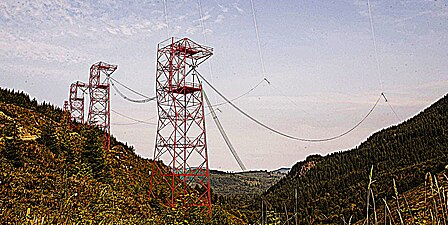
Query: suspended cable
x,y
284,134
396,115
130,89
292,101
223,134
254,17
258,38
125,124
375,46
390,106
165,13
244,94
148,99
130,99
133,119
380,75
204,34
261,56
201,19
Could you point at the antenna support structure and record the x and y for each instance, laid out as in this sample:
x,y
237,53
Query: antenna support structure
x,y
181,134
99,99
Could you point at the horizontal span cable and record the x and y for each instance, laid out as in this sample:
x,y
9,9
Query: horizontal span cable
x,y
242,95
147,99
133,119
288,135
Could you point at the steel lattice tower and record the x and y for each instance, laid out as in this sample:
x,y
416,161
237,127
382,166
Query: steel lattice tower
x,y
99,91
76,101
181,136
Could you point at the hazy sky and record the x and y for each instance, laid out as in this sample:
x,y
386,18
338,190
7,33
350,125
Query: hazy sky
x,y
319,58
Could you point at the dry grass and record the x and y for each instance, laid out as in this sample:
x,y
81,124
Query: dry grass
x,y
426,204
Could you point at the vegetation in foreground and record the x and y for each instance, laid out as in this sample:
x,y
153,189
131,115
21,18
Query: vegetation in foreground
x,y
424,204
53,173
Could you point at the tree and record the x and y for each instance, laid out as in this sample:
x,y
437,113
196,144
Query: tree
x,y
12,145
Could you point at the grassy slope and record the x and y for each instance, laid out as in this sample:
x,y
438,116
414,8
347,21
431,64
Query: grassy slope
x,y
425,204
60,175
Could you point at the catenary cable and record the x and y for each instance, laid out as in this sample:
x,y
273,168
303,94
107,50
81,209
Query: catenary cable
x,y
282,133
254,17
133,119
223,134
204,34
390,106
242,95
130,99
130,89
165,14
378,65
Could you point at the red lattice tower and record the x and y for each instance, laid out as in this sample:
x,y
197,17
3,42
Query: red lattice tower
x,y
99,91
181,136
76,101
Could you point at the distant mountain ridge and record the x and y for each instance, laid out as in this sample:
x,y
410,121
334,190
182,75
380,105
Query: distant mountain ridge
x,y
237,184
283,170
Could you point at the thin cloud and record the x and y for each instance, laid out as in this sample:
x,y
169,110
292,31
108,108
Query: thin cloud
x,y
236,6
12,46
33,70
219,19
204,18
223,8
192,30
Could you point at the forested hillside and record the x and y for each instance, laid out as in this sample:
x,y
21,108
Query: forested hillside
x,y
53,173
333,188
243,183
58,173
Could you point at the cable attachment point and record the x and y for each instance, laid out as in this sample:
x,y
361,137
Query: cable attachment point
x,y
382,94
267,81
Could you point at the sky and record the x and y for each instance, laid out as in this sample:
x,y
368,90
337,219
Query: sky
x,y
319,57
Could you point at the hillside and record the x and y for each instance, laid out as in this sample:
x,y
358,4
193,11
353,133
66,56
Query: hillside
x,y
333,188
53,173
243,183
57,173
